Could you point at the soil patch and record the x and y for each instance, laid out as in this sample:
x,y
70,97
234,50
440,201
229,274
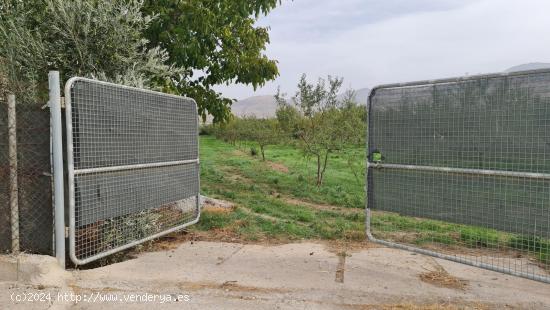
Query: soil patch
x,y
213,205
438,276
238,153
324,207
235,175
278,167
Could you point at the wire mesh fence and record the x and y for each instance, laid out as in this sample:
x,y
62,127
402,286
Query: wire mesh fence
x,y
33,178
133,166
5,230
462,168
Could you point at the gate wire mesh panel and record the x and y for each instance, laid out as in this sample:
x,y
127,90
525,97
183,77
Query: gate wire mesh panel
x,y
5,231
462,168
133,166
34,182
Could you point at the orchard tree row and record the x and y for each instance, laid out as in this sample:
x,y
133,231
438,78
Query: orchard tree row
x,y
315,119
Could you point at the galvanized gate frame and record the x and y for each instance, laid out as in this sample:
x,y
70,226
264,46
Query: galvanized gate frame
x,y
372,165
72,172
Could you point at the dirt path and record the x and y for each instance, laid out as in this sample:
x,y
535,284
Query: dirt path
x,y
323,207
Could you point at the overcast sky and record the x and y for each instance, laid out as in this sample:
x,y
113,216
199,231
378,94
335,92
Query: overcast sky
x,y
369,42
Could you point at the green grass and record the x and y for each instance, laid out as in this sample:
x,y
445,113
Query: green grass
x,y
341,187
231,173
533,245
475,237
263,211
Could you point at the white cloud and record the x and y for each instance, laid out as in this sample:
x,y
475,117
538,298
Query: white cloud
x,y
372,42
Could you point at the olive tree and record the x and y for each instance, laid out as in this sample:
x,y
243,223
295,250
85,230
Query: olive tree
x,y
93,38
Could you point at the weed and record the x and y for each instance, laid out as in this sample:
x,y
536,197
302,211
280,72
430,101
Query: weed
x,y
535,245
479,237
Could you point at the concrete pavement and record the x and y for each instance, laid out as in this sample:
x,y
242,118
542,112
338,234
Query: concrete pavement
x,y
214,275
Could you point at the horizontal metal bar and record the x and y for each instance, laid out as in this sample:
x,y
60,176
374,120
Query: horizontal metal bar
x,y
460,79
133,167
500,173
74,79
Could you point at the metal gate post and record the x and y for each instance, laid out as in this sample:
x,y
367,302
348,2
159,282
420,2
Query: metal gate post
x,y
14,191
57,147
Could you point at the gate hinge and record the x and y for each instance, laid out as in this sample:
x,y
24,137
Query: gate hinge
x,y
66,232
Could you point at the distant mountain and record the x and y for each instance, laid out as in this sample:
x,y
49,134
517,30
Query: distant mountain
x,y
265,106
259,106
529,66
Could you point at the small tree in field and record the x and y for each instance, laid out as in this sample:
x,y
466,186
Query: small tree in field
x,y
230,131
288,118
326,124
262,131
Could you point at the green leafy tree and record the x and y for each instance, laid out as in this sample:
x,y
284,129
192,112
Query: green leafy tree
x,y
327,125
356,124
262,131
217,41
288,117
230,131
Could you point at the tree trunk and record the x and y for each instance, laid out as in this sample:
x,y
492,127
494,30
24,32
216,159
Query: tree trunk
x,y
319,170
322,173
263,154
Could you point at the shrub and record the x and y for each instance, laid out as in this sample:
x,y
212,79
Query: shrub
x,y
206,130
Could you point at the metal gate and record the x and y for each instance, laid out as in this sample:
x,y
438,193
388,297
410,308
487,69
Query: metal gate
x,y
460,169
133,167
